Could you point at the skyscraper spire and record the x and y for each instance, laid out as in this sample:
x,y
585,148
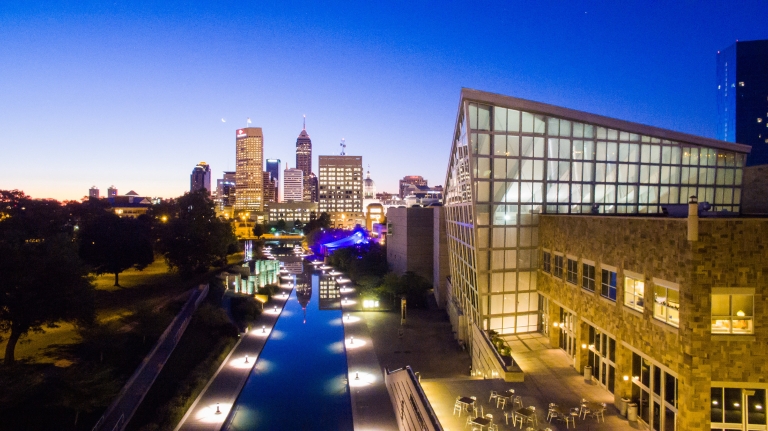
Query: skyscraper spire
x,y
305,123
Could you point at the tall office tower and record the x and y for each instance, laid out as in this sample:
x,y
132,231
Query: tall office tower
x,y
293,185
416,180
225,189
273,167
93,192
249,159
270,188
304,160
111,191
200,178
313,186
742,97
341,190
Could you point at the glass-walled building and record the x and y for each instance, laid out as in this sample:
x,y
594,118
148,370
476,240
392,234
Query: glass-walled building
x,y
512,160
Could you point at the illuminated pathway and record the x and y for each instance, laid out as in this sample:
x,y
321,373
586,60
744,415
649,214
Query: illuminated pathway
x,y
371,405
223,388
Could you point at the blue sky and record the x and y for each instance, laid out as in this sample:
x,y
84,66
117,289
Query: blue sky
x,y
132,94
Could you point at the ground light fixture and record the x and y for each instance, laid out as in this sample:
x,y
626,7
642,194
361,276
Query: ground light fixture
x,y
347,316
246,359
218,410
263,329
351,340
275,308
357,377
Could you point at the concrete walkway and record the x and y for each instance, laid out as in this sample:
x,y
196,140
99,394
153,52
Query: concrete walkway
x,y
371,405
212,406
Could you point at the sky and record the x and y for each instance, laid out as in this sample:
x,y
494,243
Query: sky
x,y
135,94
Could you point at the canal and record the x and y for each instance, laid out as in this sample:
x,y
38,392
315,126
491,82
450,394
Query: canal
x,y
299,381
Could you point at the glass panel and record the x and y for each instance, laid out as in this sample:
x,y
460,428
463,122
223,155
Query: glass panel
x,y
527,122
756,408
732,406
483,117
717,405
513,120
499,119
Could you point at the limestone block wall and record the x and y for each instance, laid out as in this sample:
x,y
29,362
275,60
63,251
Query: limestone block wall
x,y
730,253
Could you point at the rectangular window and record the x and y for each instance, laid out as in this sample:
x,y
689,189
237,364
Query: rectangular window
x,y
558,266
732,314
666,305
573,271
588,277
608,288
547,261
634,293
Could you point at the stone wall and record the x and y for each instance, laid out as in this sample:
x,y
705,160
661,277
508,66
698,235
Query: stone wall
x,y
409,246
729,253
440,270
754,190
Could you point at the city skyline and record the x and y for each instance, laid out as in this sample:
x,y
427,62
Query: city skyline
x,y
162,75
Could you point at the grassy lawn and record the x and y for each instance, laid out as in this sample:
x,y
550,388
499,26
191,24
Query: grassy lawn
x,y
153,287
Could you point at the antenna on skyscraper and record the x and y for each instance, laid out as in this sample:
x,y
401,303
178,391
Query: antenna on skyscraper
x,y
343,147
305,122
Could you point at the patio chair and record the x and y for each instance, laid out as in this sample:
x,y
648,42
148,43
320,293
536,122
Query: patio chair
x,y
515,418
552,411
584,410
501,401
600,414
532,419
517,402
494,394
568,419
458,406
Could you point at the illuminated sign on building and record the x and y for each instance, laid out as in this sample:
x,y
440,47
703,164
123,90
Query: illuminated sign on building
x,y
241,133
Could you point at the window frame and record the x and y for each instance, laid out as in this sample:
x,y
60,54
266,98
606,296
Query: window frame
x,y
557,270
572,276
665,305
607,289
585,279
632,298
546,262
733,317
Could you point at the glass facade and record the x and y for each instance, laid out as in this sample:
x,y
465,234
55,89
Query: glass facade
x,y
509,165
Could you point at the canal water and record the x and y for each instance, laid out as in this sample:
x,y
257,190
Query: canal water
x,y
299,381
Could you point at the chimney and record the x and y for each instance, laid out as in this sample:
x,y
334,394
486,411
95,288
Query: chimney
x,y
693,219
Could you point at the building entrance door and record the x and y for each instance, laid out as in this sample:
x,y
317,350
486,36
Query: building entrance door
x,y
567,333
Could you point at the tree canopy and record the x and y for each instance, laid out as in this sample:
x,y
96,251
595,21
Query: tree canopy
x,y
196,239
110,244
43,279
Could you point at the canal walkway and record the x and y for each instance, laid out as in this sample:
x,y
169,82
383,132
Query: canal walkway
x,y
212,406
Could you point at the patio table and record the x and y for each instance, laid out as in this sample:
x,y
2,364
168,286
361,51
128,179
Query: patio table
x,y
482,422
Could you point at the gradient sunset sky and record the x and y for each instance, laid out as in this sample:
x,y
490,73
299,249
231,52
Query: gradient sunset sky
x,y
133,94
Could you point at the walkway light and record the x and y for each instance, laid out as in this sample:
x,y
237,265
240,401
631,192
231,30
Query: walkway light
x,y
347,316
357,377
246,359
351,340
263,329
275,308
218,411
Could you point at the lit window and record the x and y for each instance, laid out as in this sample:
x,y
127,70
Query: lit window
x,y
741,84
732,314
666,305
634,293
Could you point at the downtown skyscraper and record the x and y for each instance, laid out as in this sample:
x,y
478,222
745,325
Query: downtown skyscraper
x,y
249,157
304,162
742,97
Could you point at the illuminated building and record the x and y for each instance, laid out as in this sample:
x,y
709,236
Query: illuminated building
x,y
291,211
416,180
249,179
293,185
374,214
273,167
563,223
131,205
304,162
93,192
742,97
200,178
111,191
270,188
341,190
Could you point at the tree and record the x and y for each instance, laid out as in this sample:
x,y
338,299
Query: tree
x,y
42,279
280,225
111,244
85,389
196,239
258,230
297,225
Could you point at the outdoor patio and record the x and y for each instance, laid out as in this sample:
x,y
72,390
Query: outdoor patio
x,y
549,378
